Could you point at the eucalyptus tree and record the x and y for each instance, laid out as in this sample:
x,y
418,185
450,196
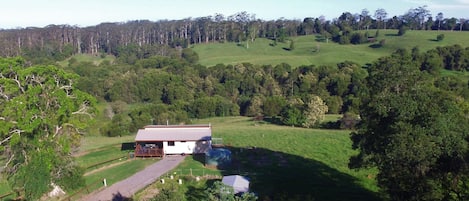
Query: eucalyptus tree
x,y
380,15
440,19
42,117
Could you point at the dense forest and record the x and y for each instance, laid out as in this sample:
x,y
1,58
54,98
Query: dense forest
x,y
60,41
165,89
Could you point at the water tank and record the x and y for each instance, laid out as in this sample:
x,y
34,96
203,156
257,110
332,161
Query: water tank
x,y
218,158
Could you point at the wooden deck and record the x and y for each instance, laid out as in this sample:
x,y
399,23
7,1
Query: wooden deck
x,y
148,152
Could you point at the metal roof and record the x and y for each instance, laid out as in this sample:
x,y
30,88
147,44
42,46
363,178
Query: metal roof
x,y
174,133
239,183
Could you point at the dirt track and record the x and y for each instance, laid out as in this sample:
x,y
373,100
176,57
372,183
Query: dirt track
x,y
126,188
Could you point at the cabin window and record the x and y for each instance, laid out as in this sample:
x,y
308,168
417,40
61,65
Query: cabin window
x,y
170,143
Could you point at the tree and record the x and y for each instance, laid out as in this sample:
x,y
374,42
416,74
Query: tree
x,y
273,105
190,55
462,21
415,134
42,116
315,111
255,107
450,23
440,19
380,15
365,19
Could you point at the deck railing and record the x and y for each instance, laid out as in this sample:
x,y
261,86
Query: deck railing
x,y
148,152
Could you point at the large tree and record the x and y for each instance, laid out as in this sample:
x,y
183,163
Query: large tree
x,y
42,116
414,133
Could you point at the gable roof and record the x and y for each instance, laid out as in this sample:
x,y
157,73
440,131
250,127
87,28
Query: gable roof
x,y
239,183
174,133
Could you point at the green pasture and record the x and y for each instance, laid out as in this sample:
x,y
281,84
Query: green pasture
x,y
95,60
286,161
312,49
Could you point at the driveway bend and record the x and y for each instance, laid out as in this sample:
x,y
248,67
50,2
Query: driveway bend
x,y
128,187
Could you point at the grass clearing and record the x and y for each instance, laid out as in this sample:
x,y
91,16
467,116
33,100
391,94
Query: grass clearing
x,y
120,172
308,50
95,60
101,155
92,143
287,161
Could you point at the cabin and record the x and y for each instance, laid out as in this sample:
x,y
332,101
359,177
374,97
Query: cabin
x,y
161,140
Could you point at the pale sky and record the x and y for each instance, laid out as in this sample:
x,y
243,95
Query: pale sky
x,y
40,13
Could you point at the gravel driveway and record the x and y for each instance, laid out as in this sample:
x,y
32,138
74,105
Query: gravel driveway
x,y
126,188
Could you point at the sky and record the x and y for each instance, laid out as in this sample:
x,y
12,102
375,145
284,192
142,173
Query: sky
x,y
82,13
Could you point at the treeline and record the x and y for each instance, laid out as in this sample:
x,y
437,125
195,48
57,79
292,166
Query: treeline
x,y
57,42
161,89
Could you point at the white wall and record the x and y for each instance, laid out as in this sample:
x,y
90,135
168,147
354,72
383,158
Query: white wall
x,y
187,147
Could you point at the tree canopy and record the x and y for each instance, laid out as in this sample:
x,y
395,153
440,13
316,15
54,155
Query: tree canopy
x,y
42,116
414,133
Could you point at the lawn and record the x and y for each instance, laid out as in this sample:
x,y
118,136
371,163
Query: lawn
x,y
287,161
308,50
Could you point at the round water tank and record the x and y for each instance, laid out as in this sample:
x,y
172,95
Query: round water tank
x,y
219,158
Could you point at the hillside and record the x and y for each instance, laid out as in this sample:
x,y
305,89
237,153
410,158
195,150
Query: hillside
x,y
306,52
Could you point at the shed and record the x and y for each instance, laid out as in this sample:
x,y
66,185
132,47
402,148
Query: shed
x,y
239,183
159,140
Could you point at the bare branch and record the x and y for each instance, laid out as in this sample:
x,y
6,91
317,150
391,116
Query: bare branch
x,y
57,130
8,162
18,83
13,132
3,94
83,110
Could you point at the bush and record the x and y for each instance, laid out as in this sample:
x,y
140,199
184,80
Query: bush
x,y
349,121
382,42
402,30
440,37
358,38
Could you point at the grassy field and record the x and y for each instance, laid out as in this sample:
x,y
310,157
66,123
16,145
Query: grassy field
x,y
287,161
309,51
96,60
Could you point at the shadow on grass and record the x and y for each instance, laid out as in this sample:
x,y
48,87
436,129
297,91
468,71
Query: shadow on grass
x,y
198,193
391,34
275,175
374,46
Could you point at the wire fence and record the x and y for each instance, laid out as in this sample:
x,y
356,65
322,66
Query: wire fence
x,y
204,172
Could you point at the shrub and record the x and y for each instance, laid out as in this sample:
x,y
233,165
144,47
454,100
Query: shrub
x,y
402,30
440,37
382,42
349,121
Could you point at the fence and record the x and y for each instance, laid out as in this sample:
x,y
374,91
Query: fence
x,y
96,165
204,172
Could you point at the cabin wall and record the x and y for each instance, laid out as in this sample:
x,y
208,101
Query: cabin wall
x,y
186,147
